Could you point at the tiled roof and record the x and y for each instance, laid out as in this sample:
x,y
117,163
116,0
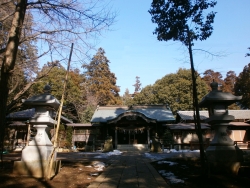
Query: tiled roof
x,y
157,112
186,126
238,114
27,114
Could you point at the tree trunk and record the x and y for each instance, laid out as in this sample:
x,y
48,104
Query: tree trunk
x,y
9,63
196,106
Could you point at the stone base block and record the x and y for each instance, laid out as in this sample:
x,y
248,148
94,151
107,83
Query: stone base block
x,y
224,158
35,168
227,167
221,154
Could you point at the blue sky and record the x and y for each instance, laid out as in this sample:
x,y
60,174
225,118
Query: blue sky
x,y
133,50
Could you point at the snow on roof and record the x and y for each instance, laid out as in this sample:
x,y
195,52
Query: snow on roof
x,y
158,112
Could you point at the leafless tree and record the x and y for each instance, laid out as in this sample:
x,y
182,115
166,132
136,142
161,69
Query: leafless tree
x,y
54,26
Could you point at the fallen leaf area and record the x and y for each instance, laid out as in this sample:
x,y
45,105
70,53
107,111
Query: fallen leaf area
x,y
187,173
71,175
177,173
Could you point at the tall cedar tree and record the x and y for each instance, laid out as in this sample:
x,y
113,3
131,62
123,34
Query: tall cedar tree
x,y
242,87
184,21
228,86
209,76
137,84
229,82
101,82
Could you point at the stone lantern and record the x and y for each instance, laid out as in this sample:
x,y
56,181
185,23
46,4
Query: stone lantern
x,y
35,155
221,154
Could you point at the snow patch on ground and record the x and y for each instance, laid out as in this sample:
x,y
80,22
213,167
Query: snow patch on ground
x,y
169,162
114,152
179,151
99,166
106,155
170,176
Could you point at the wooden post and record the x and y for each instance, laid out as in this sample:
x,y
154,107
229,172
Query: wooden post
x,y
50,163
28,135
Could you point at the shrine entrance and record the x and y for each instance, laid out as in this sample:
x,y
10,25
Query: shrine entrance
x,y
131,128
131,125
130,135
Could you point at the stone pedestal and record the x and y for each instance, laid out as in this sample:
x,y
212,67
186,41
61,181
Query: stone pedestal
x,y
224,158
222,154
35,156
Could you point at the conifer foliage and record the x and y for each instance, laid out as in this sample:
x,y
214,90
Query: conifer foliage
x,y
137,84
101,82
242,87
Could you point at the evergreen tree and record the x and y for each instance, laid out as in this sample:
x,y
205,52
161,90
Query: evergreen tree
x,y
101,82
148,95
127,99
229,82
174,89
242,87
210,76
137,84
167,138
75,94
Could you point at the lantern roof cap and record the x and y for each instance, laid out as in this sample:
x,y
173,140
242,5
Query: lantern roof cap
x,y
217,96
45,99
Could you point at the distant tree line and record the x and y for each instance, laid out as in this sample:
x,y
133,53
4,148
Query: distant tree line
x,y
175,89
